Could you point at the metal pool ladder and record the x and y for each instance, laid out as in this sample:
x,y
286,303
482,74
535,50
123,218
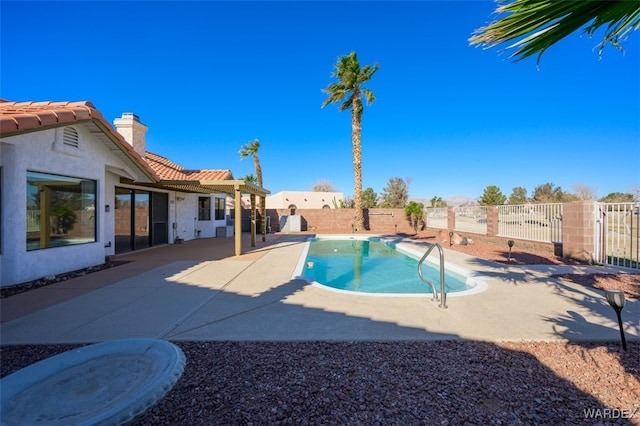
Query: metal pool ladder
x,y
443,293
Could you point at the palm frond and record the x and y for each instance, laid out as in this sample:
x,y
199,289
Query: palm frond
x,y
348,103
369,96
250,149
350,78
535,25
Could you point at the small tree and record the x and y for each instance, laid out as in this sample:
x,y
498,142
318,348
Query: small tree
x,y
369,199
617,197
492,196
415,214
437,202
518,196
395,195
583,192
547,193
347,203
323,186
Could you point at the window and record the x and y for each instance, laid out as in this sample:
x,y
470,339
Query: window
x,y
61,211
220,208
204,208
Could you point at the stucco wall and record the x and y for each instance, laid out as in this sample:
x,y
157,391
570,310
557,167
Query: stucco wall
x,y
43,152
184,212
304,199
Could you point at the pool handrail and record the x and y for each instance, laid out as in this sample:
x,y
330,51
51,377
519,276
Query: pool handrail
x,y
443,292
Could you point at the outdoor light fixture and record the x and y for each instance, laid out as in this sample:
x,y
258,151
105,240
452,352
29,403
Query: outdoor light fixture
x,y
450,238
616,300
107,208
510,244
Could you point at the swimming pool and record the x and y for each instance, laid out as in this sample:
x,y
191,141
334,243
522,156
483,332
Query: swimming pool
x,y
377,266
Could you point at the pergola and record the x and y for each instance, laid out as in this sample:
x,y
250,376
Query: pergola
x,y
234,187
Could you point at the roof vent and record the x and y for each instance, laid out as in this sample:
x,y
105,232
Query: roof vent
x,y
70,137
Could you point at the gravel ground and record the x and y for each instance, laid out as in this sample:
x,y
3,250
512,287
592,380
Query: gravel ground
x,y
393,383
399,383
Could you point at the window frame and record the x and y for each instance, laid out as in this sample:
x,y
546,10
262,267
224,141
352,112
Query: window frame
x,y
76,225
204,208
220,206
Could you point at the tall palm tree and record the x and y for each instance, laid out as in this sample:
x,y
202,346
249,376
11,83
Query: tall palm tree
x,y
250,149
349,91
535,25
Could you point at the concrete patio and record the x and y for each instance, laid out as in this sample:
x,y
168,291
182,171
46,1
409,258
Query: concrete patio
x,y
199,290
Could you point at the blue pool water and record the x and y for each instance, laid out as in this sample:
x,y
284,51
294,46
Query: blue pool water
x,y
372,266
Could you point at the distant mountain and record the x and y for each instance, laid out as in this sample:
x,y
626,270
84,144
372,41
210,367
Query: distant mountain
x,y
460,200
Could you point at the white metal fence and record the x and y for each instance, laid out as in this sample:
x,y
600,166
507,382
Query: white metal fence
x,y
536,222
616,237
471,219
436,217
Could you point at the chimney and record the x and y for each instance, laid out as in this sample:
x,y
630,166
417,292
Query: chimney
x,y
133,131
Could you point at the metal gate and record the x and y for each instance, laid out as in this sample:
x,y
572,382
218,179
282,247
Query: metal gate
x,y
616,238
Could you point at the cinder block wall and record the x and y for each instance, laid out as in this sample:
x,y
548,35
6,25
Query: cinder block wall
x,y
338,221
577,224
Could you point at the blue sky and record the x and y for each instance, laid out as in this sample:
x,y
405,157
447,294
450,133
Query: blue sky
x,y
206,77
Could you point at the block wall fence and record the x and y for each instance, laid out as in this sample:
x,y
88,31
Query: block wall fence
x,y
578,226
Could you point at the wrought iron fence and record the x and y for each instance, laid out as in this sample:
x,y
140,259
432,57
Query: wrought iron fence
x,y
536,222
616,237
471,219
436,217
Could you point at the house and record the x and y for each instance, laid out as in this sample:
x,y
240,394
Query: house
x,y
293,200
74,190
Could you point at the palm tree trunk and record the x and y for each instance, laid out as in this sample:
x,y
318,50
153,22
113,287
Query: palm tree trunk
x,y
261,200
358,220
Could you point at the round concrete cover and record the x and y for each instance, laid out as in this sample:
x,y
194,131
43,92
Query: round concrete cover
x,y
106,383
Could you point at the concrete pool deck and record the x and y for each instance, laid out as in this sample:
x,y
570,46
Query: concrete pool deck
x,y
199,291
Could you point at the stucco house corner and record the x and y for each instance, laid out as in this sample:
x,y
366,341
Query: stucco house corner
x,y
74,190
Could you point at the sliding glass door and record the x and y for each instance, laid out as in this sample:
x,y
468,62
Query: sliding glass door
x,y
123,220
141,221
135,225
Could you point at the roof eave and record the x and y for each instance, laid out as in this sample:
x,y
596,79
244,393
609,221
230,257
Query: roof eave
x,y
221,186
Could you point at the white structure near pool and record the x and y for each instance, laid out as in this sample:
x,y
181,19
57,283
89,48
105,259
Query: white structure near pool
x,y
74,190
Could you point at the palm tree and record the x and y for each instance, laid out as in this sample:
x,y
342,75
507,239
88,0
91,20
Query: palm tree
x,y
349,91
538,24
250,178
250,149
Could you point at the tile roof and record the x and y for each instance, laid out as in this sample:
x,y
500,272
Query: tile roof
x,y
168,170
22,117
18,117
